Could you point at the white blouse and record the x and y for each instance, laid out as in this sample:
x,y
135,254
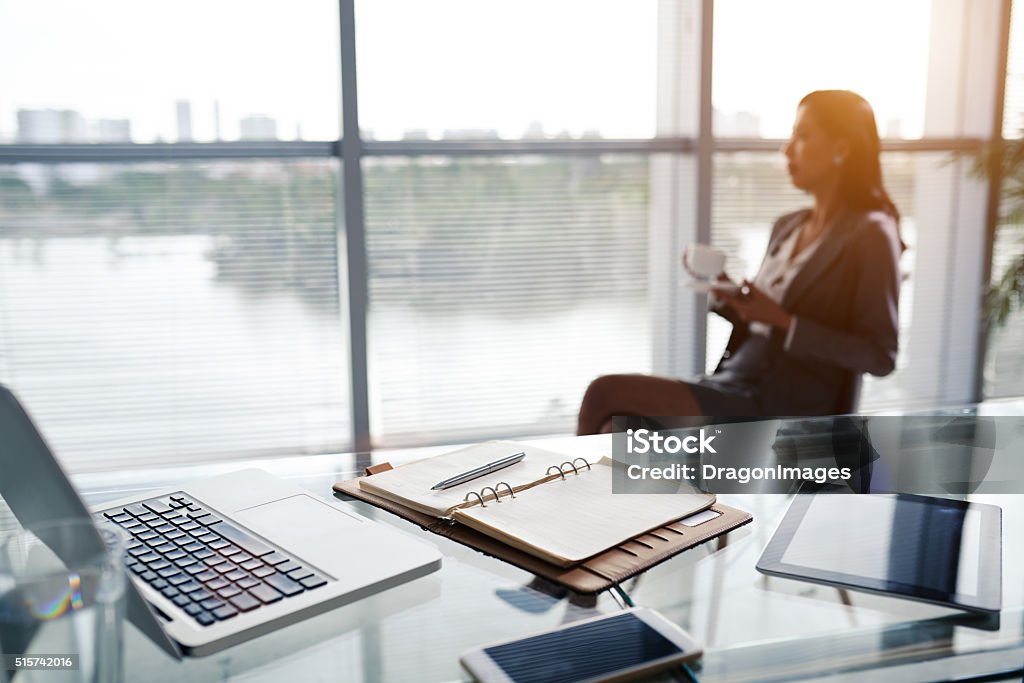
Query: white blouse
x,y
778,270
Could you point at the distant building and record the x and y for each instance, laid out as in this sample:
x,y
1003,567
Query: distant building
x,y
893,128
748,125
258,127
113,130
534,131
742,124
415,134
50,126
184,117
471,134
216,120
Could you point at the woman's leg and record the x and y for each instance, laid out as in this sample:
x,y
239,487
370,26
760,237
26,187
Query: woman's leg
x,y
633,395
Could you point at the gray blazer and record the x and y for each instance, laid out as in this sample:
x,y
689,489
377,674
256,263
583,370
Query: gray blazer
x,y
845,322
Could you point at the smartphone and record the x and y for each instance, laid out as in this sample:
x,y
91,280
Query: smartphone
x,y
610,647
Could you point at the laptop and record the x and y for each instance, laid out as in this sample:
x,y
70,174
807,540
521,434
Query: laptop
x,y
218,561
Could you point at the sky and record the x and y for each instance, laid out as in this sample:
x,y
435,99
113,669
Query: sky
x,y
565,65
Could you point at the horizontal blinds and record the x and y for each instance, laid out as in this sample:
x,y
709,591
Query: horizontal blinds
x,y
1004,360
925,188
1013,102
164,313
751,190
499,288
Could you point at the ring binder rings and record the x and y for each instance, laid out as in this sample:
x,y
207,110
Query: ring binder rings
x,y
560,469
482,498
569,529
557,469
571,514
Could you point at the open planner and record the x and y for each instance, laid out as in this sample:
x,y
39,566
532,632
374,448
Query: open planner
x,y
555,517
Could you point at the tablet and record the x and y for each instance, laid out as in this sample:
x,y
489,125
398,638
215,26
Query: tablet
x,y
946,552
609,647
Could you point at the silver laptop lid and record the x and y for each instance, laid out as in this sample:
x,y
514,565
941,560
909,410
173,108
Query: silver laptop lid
x,y
37,491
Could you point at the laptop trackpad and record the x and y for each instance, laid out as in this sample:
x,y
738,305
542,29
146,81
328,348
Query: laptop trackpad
x,y
305,526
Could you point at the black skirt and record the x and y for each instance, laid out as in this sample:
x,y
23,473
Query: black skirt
x,y
722,398
732,391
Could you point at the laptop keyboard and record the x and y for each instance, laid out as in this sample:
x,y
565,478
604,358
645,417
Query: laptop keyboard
x,y
209,568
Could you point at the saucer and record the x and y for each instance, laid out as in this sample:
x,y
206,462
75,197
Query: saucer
x,y
704,287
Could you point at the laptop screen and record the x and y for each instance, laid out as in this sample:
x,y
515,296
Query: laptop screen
x,y
37,491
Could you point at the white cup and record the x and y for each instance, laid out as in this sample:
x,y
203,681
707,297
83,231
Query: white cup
x,y
704,261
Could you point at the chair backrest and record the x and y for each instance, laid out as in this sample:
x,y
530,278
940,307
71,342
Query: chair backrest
x,y
849,395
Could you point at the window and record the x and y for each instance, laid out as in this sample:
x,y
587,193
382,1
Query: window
x,y
166,312
119,71
1004,360
751,190
499,287
919,65
458,69
767,55
527,179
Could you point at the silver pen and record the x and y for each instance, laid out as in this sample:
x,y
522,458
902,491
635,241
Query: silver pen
x,y
479,471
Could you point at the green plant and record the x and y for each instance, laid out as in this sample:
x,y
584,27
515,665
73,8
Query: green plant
x,y
1005,161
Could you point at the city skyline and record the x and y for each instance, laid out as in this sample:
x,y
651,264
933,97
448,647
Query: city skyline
x,y
585,67
65,125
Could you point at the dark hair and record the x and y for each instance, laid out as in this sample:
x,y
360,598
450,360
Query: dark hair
x,y
847,115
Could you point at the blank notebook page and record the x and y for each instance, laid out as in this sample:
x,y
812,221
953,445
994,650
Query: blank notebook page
x,y
579,517
411,483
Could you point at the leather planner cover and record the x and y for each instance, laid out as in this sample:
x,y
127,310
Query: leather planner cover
x,y
598,573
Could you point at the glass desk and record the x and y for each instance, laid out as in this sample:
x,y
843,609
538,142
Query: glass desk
x,y
753,627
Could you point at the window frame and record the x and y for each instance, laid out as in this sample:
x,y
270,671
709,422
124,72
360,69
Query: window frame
x,y
351,149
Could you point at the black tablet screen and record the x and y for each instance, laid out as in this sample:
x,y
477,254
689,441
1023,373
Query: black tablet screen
x,y
912,541
589,650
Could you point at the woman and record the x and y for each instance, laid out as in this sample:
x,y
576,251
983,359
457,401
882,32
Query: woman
x,y
822,309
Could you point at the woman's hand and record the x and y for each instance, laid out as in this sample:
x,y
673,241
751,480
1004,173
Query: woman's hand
x,y
754,306
721,281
